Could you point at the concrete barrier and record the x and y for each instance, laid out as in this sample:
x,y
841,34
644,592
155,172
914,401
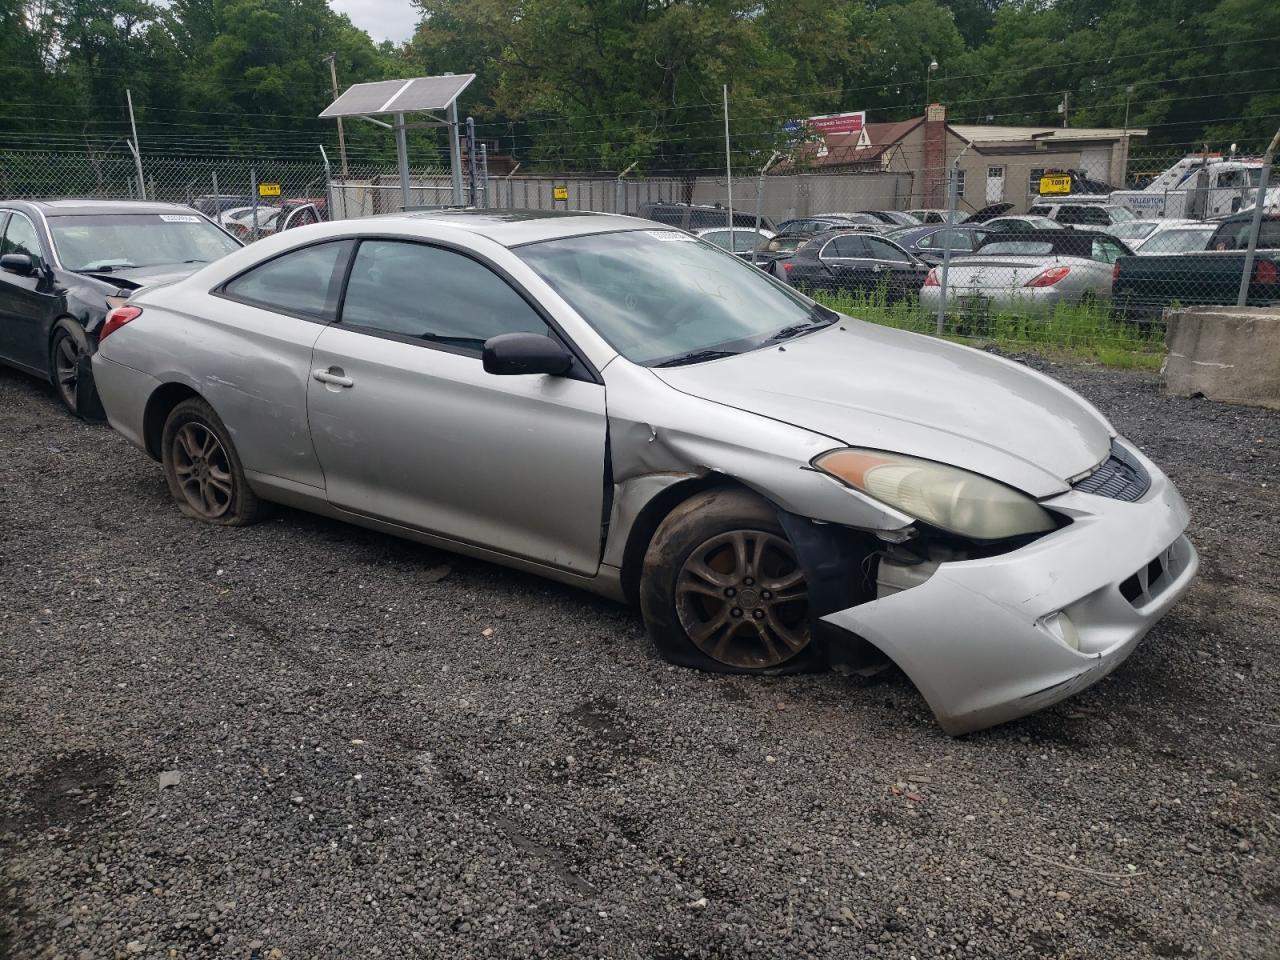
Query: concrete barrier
x,y
1225,353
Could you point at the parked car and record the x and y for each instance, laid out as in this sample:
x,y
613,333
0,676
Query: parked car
x,y
744,242
930,242
239,220
1028,273
65,263
847,261
1084,214
1191,238
1025,223
212,205
271,219
889,218
989,212
863,492
808,226
1135,232
780,248
937,216
690,216
1146,284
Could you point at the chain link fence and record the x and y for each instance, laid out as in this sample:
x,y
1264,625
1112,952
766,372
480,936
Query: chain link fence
x,y
1094,274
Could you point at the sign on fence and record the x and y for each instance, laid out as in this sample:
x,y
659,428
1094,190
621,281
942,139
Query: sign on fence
x,y
268,189
559,192
1055,183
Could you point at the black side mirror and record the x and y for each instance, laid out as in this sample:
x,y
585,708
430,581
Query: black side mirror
x,y
17,263
514,354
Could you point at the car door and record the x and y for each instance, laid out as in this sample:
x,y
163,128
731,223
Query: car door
x,y
29,301
895,269
847,260
409,428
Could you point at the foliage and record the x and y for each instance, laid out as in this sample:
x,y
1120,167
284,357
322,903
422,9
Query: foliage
x,y
598,84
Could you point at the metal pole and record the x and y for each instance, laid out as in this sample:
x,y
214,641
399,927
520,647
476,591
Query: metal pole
x,y
1261,202
253,200
484,173
728,164
755,248
216,202
342,140
620,190
946,246
402,157
137,154
471,161
455,154
328,185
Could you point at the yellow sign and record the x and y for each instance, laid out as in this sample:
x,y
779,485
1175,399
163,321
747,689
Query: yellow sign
x,y
559,192
1055,183
268,189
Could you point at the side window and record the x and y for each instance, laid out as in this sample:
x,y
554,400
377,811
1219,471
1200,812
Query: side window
x,y
1033,181
930,242
302,282
667,215
882,250
438,296
20,237
1094,215
1041,209
848,245
1268,235
1106,251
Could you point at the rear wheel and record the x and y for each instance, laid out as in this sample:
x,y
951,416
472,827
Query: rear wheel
x,y
66,347
203,470
722,588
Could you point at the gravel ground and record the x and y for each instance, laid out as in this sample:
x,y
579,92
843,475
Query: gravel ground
x,y
381,750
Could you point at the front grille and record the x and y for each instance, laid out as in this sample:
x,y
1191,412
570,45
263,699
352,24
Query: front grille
x,y
1121,477
1153,579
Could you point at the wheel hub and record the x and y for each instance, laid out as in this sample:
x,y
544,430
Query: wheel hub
x,y
742,599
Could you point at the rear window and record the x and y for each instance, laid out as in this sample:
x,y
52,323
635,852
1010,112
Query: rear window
x,y
785,244
1041,209
1021,248
1235,235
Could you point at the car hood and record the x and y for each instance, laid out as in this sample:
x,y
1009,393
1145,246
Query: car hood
x,y
134,278
872,386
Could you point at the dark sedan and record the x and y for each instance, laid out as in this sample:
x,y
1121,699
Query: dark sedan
x,y
847,261
65,263
930,243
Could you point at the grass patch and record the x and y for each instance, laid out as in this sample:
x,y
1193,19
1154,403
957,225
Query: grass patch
x,y
1083,332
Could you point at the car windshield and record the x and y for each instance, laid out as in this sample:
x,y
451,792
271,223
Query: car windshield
x,y
1178,241
1133,230
1022,248
128,240
788,244
1121,214
660,296
744,241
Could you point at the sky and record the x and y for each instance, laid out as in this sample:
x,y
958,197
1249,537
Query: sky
x,y
382,19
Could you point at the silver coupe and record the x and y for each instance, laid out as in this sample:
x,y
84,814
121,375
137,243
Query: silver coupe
x,y
623,407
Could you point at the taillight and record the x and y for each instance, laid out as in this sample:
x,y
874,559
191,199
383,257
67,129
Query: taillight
x,y
1115,272
932,279
116,319
1048,277
1264,271
787,265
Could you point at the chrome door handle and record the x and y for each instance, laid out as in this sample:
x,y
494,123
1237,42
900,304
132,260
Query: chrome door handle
x,y
334,376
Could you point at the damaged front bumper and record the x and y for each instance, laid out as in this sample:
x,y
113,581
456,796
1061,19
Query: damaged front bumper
x,y
992,639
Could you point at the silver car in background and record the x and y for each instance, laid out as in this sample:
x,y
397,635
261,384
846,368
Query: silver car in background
x,y
621,407
1030,272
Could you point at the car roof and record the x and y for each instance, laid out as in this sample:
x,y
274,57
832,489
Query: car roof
x,y
511,228
87,207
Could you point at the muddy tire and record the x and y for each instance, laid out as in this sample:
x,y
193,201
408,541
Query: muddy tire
x,y
721,588
203,470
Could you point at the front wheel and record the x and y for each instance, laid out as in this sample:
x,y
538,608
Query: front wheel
x,y
203,469
66,347
722,588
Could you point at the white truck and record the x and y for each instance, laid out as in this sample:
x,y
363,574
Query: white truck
x,y
1200,185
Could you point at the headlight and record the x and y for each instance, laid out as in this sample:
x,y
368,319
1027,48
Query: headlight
x,y
955,500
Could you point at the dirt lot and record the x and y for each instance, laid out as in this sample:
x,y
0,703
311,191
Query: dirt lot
x,y
386,751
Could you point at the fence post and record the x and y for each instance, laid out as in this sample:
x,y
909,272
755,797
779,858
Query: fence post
x,y
755,244
1256,226
946,248
216,203
253,200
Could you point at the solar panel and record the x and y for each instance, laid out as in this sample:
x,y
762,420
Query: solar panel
x,y
399,96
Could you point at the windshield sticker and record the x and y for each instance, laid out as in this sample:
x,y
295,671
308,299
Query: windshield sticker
x,y
671,235
178,218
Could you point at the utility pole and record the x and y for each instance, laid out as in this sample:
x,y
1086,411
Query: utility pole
x,y
342,141
1065,106
137,151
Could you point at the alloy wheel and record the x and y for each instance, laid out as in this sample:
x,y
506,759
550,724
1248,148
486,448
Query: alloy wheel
x,y
66,369
742,599
203,470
